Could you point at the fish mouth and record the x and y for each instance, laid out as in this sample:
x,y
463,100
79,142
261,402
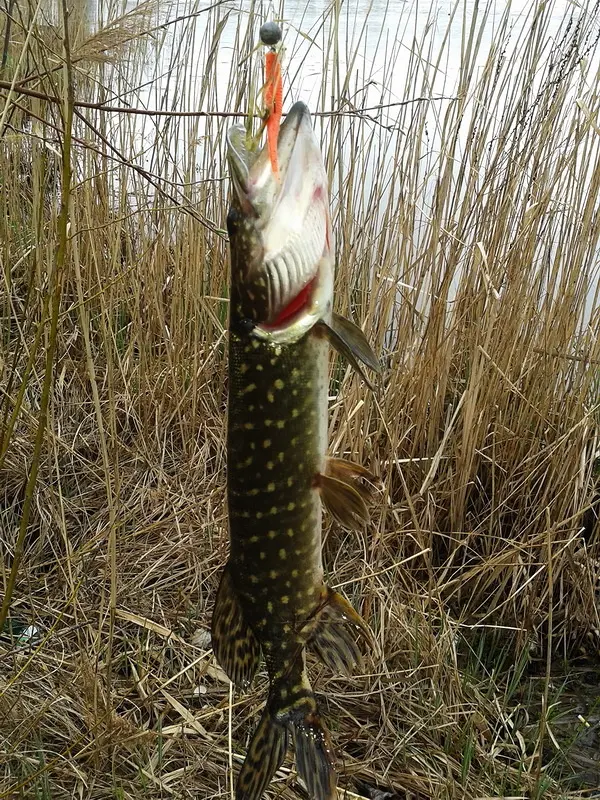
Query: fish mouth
x,y
290,212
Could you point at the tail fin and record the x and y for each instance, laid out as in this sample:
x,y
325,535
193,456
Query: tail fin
x,y
290,708
264,757
315,760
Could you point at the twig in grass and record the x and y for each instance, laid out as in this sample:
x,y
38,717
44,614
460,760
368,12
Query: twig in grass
x,y
360,113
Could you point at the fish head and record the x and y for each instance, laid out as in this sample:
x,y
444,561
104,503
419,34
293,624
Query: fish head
x,y
280,228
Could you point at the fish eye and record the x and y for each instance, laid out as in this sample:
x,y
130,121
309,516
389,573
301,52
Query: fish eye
x,y
243,326
233,220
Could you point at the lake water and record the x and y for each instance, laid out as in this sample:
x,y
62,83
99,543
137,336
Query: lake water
x,y
375,43
375,36
379,44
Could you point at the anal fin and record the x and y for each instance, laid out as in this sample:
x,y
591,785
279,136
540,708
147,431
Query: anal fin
x,y
348,339
334,638
235,646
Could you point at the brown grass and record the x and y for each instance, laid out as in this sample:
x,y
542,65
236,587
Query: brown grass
x,y
469,255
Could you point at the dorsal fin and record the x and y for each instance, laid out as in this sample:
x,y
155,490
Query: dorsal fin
x,y
234,644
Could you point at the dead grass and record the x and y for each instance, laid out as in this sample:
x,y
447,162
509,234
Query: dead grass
x,y
468,252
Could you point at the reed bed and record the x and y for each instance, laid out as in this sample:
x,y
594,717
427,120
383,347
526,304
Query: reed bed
x,y
467,226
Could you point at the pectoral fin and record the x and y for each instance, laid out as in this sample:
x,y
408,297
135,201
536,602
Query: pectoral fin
x,y
334,638
235,646
348,339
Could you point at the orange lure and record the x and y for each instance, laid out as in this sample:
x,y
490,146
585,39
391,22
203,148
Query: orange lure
x,y
273,93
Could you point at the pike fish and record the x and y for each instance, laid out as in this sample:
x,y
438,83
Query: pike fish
x,y
272,599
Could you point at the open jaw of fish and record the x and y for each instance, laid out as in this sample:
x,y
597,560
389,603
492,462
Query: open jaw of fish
x,y
272,598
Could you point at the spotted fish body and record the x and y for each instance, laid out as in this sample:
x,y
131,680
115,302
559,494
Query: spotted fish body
x,y
276,447
272,598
